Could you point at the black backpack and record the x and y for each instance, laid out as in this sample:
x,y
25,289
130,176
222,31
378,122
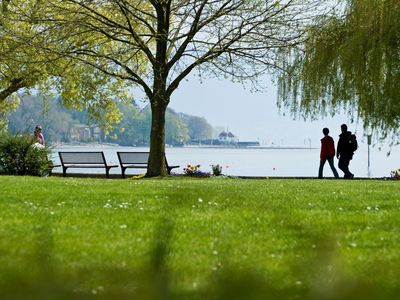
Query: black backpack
x,y
353,145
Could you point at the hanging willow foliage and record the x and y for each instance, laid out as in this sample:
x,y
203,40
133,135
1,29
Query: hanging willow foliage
x,y
352,63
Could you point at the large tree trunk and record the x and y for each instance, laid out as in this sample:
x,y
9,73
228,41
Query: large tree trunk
x,y
157,165
159,99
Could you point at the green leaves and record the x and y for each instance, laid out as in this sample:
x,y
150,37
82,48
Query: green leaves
x,y
350,63
36,53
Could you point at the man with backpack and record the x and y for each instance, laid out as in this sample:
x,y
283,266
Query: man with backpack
x,y
347,144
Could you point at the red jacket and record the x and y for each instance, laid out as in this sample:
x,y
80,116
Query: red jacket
x,y
327,147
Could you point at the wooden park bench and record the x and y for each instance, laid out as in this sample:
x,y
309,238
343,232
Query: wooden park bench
x,y
84,160
137,160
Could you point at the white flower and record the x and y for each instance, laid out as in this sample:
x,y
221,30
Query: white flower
x,y
123,226
200,200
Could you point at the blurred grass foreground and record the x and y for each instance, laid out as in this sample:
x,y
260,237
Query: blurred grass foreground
x,y
191,238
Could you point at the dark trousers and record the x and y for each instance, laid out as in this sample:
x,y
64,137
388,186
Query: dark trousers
x,y
321,167
344,162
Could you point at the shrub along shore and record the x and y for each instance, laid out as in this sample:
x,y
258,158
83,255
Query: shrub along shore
x,y
192,238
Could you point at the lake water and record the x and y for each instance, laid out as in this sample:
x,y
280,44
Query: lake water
x,y
253,161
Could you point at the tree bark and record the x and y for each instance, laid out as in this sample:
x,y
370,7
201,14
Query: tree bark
x,y
157,165
14,86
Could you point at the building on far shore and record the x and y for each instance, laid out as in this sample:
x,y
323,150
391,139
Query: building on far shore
x,y
84,133
224,139
227,138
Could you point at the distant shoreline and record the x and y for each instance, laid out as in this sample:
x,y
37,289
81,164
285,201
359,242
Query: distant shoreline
x,y
249,147
98,145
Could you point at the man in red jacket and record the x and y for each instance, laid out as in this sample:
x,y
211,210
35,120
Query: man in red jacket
x,y
327,153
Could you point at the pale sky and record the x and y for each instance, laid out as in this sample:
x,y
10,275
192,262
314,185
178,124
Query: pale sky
x,y
251,116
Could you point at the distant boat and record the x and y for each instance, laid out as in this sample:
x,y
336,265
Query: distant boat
x,y
249,144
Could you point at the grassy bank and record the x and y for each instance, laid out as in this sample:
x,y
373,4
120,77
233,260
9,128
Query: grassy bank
x,y
198,238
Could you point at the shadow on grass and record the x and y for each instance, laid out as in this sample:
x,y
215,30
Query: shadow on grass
x,y
41,278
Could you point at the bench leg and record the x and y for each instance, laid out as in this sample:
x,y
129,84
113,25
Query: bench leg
x,y
107,172
169,169
65,171
123,172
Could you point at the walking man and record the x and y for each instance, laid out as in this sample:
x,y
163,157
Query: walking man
x,y
327,153
345,151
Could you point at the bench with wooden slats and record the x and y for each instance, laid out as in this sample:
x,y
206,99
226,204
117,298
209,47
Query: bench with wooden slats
x,y
84,160
137,160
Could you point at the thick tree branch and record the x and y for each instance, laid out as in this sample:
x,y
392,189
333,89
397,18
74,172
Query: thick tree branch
x,y
15,85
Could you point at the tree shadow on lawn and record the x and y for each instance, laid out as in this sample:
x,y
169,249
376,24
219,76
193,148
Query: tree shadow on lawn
x,y
42,279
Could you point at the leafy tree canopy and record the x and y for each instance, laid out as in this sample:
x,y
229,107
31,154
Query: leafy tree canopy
x,y
24,66
349,62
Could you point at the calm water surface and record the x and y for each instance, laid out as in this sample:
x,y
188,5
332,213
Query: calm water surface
x,y
253,162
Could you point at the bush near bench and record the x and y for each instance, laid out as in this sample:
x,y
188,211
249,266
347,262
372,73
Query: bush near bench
x,y
19,156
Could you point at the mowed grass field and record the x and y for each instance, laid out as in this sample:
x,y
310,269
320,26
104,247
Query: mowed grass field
x,y
192,238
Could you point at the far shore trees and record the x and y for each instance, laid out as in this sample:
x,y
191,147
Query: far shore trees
x,y
63,125
156,44
351,62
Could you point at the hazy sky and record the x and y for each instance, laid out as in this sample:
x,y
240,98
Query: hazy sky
x,y
251,116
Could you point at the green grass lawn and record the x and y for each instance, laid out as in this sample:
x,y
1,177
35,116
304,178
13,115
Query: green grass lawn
x,y
190,238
